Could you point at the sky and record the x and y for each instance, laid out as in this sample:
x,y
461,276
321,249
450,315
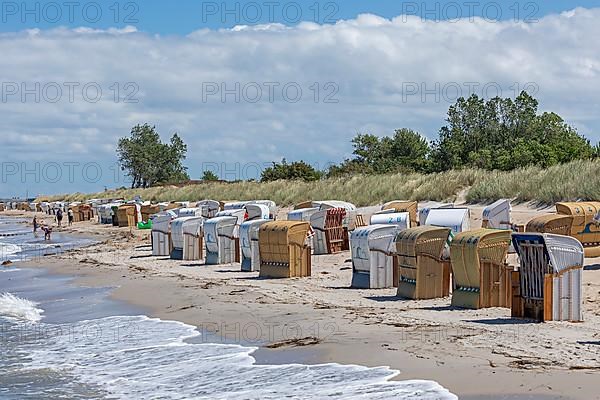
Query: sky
x,y
248,83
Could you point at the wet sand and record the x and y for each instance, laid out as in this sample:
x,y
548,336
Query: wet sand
x,y
476,354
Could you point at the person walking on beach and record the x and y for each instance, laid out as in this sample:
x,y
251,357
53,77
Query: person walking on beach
x,y
59,217
35,225
70,216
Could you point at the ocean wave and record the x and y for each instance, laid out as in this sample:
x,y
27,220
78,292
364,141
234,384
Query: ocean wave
x,y
21,309
5,270
8,249
141,357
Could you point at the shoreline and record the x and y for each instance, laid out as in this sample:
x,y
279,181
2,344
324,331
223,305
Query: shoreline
x,y
473,353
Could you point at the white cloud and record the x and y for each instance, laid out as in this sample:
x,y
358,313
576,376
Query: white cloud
x,y
371,59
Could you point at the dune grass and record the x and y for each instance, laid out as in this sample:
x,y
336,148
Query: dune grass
x,y
579,180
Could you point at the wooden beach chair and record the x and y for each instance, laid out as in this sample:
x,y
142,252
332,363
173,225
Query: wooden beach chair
x,y
422,273
482,278
284,248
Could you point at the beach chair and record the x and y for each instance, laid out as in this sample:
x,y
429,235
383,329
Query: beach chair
x,y
329,230
190,212
302,214
257,211
457,219
222,240
162,244
249,231
128,215
585,227
424,211
550,223
86,212
193,239
359,221
187,238
372,256
481,277
422,273
411,207
273,209
497,215
547,286
284,249
346,220
391,217
148,210
210,208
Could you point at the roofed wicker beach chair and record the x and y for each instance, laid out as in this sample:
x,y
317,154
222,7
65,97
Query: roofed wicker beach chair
x,y
304,204
257,211
392,217
482,278
329,230
221,236
187,238
284,248
372,256
550,223
162,244
128,215
148,210
411,207
497,215
547,286
585,227
249,231
209,207
422,273
302,214
457,219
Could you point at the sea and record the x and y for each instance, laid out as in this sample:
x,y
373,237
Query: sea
x,y
59,340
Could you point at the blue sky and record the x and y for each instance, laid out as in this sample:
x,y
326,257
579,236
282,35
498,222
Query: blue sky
x,y
165,17
71,89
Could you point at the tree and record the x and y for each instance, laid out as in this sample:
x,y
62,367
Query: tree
x,y
505,134
407,150
148,161
209,176
297,170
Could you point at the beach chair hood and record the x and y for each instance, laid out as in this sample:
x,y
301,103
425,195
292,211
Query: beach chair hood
x,y
497,215
457,219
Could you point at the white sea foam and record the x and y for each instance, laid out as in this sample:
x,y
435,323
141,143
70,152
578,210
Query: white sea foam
x,y
8,249
139,357
22,309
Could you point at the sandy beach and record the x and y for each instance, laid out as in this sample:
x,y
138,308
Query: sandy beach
x,y
476,354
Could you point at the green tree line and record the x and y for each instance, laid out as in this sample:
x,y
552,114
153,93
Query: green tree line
x,y
495,134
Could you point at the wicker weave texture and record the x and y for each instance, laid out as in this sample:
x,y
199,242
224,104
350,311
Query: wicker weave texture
x,y
411,207
478,264
550,223
283,249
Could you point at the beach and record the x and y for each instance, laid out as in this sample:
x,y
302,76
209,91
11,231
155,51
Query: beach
x,y
475,354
